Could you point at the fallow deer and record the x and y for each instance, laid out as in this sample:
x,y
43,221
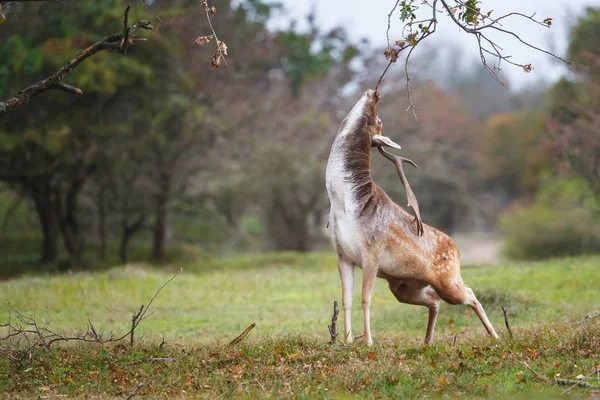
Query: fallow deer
x,y
370,231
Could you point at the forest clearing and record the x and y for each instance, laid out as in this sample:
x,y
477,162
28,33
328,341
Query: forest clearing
x,y
196,199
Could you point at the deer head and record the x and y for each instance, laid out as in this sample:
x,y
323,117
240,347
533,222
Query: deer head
x,y
363,120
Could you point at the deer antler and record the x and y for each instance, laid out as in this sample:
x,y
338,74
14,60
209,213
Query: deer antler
x,y
412,199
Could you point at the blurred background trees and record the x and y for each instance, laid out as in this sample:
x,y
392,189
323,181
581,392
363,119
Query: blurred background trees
x,y
162,157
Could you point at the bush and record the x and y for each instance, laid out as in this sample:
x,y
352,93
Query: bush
x,y
564,220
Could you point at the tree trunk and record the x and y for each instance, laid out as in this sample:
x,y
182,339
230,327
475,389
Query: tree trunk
x,y
47,212
289,230
102,222
160,226
72,236
301,235
124,246
69,224
128,230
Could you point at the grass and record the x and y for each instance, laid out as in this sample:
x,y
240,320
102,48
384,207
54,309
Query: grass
x,y
289,296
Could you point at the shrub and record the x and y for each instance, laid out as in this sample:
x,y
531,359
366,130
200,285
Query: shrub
x,y
563,220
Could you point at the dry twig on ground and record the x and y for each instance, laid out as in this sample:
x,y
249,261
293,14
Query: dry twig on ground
x,y
505,312
134,392
242,335
572,382
333,328
26,335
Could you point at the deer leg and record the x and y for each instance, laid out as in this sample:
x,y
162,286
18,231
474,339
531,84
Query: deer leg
x,y
421,294
472,302
369,276
433,313
346,270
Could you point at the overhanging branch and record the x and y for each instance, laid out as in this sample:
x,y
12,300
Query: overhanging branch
x,y
118,42
471,20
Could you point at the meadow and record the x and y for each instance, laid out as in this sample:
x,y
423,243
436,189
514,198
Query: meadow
x,y
289,296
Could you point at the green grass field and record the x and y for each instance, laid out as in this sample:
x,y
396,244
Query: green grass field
x,y
289,297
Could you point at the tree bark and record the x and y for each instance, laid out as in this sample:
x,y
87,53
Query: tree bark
x,y
69,224
288,225
124,246
102,222
47,211
128,230
160,226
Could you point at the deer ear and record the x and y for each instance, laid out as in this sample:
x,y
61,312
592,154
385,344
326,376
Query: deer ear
x,y
384,141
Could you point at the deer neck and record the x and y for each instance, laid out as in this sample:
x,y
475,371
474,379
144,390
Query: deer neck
x,y
349,183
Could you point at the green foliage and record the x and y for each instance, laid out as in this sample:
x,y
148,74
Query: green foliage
x,y
312,55
22,59
564,95
584,45
407,10
563,220
470,12
511,152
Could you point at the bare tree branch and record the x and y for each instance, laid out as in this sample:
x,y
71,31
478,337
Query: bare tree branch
x,y
118,42
147,7
203,40
411,41
476,24
26,335
387,32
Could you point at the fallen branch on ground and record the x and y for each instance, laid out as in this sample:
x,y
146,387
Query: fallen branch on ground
x,y
27,334
559,381
581,382
539,376
134,392
592,316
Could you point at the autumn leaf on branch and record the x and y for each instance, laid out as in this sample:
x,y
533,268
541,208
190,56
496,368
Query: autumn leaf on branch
x,y
203,40
219,56
391,54
215,61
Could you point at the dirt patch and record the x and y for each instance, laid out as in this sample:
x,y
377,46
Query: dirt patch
x,y
478,248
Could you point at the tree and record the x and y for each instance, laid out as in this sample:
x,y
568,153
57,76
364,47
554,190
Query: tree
x,y
160,131
512,155
584,44
49,154
575,110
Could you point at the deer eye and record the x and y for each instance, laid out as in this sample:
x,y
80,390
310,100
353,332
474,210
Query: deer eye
x,y
378,121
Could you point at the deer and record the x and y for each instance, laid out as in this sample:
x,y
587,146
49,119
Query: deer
x,y
369,230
